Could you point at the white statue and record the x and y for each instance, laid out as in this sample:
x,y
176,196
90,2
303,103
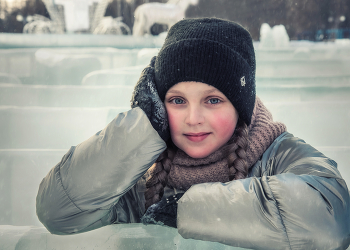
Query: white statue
x,y
99,14
162,13
75,17
280,36
107,25
56,19
39,25
276,37
112,26
76,14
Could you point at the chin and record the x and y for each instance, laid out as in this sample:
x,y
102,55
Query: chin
x,y
197,154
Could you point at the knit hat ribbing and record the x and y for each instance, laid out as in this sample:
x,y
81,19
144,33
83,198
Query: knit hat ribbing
x,y
213,51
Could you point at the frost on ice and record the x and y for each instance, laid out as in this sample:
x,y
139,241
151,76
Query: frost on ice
x,y
53,98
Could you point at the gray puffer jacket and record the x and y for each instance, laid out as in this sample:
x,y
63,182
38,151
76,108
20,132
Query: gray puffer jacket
x,y
293,198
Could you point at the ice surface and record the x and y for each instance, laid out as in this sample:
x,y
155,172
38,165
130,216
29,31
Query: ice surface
x,y
67,67
303,68
121,237
17,63
21,172
62,66
144,56
305,85
65,95
122,76
7,78
64,69
11,40
51,128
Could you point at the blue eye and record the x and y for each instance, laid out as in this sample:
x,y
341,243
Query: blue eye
x,y
177,101
214,101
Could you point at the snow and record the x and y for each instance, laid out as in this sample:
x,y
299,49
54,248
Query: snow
x,y
54,97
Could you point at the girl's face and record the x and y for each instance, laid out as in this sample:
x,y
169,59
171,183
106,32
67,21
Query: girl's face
x,y
201,118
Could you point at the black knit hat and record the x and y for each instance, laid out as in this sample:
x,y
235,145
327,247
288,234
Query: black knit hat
x,y
213,51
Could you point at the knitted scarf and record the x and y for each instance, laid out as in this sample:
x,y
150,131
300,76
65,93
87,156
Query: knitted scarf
x,y
187,171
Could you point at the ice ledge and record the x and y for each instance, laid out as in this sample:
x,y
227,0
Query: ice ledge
x,y
9,40
126,236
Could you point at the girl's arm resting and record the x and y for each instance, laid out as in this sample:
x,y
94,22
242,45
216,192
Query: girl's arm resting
x,y
296,208
80,192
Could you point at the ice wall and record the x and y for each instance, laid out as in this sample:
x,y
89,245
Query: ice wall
x,y
10,40
53,98
121,237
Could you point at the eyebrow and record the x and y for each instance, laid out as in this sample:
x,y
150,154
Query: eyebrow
x,y
204,92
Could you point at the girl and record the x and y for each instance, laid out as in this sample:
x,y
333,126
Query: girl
x,y
224,170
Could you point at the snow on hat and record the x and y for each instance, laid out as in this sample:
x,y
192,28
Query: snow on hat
x,y
213,51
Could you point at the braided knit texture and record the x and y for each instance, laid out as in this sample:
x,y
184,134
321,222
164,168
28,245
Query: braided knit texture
x,y
187,171
262,132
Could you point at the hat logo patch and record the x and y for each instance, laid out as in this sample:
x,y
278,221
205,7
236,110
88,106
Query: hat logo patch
x,y
243,81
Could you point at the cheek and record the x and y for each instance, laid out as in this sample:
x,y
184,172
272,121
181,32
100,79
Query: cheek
x,y
224,124
174,121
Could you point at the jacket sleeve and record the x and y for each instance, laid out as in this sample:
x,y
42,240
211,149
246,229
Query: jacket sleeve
x,y
82,191
299,201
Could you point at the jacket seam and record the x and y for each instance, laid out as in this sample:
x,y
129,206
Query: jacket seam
x,y
279,213
65,191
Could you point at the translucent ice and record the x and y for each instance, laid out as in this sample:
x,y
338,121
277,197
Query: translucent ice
x,y
128,236
8,78
276,37
305,85
122,76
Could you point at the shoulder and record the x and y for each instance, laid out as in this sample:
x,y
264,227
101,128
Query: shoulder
x,y
289,148
293,155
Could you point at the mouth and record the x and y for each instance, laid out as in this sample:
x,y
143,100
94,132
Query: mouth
x,y
197,137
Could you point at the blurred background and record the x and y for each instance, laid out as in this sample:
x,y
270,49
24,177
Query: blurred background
x,y
68,67
314,20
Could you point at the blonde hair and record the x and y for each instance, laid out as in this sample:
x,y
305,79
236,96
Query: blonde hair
x,y
236,158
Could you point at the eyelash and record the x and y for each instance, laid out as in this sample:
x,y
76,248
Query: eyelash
x,y
219,101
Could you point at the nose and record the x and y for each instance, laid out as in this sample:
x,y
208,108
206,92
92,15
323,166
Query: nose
x,y
194,115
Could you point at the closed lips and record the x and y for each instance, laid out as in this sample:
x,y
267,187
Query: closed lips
x,y
199,134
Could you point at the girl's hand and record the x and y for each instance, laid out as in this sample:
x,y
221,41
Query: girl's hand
x,y
163,213
146,97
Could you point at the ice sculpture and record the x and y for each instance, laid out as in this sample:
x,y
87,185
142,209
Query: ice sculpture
x,y
306,86
99,14
150,13
55,16
76,14
275,37
75,18
112,26
40,25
